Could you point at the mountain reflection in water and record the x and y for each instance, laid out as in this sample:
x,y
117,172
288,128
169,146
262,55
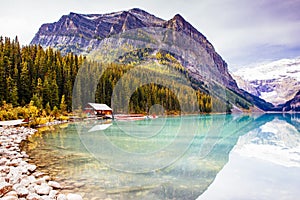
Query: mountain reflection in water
x,y
264,164
181,161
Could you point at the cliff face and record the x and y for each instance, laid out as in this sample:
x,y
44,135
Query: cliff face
x,y
81,33
178,23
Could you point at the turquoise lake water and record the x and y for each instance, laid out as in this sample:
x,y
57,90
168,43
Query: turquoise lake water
x,y
187,157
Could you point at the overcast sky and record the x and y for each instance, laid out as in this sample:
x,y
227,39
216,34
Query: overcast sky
x,y
242,31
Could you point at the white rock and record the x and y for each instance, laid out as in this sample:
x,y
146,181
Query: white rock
x,y
31,168
24,155
38,174
12,193
31,188
25,182
54,184
74,197
46,178
16,186
9,198
23,163
22,192
33,196
53,193
14,175
32,179
24,170
45,198
43,189
62,197
40,181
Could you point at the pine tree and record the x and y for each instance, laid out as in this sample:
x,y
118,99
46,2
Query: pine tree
x,y
25,83
2,79
63,106
12,95
48,108
46,92
54,99
37,101
39,88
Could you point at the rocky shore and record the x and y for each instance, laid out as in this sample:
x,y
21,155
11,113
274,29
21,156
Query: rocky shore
x,y
18,178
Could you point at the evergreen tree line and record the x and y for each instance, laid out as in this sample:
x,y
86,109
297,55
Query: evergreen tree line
x,y
45,79
33,73
144,87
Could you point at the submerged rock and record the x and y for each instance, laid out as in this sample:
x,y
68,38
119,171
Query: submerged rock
x,y
62,197
18,178
54,184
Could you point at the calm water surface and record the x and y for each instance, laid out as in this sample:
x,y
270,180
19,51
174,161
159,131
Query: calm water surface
x,y
190,157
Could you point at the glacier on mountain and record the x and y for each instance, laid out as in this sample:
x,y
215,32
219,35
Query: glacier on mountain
x,y
276,82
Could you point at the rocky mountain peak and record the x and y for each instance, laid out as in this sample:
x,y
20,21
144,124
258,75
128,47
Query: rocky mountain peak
x,y
179,18
83,33
178,23
140,12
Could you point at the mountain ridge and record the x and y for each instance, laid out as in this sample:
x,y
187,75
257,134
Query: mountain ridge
x,y
82,33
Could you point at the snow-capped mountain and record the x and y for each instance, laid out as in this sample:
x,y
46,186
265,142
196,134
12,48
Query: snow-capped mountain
x,y
276,82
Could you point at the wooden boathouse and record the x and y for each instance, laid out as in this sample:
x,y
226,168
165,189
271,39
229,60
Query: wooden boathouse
x,y
99,110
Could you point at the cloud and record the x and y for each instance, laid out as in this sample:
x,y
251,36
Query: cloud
x,y
238,29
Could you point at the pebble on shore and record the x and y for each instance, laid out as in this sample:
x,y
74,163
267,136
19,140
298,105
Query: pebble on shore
x,y
19,179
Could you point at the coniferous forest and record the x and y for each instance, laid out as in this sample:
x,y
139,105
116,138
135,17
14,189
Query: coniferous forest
x,y
44,78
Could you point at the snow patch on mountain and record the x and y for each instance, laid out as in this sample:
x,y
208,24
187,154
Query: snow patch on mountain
x,y
276,82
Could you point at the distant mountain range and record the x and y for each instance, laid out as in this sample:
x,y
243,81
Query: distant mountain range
x,y
276,82
83,33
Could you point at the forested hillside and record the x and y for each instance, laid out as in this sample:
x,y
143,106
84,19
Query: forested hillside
x,y
32,73
46,77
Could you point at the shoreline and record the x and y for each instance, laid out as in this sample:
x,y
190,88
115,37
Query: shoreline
x,y
18,178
